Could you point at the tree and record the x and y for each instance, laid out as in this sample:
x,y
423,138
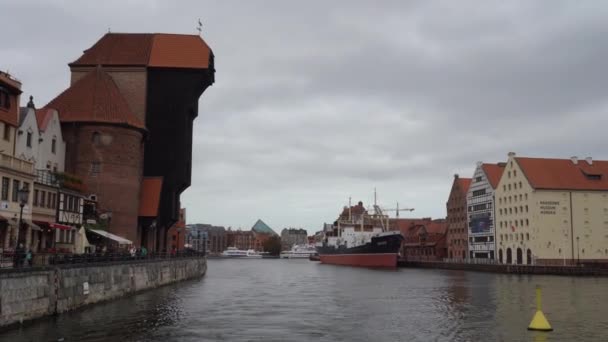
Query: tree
x,y
272,245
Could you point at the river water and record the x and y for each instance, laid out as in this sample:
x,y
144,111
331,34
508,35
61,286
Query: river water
x,y
299,300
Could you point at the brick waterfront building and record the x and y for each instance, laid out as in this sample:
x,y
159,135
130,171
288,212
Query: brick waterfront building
x,y
177,233
127,116
457,236
425,240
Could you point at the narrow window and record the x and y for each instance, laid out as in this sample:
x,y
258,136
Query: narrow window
x,y
7,132
5,188
95,168
15,190
54,145
48,200
42,198
35,198
29,139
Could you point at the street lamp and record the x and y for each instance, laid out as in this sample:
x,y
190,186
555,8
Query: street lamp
x,y
23,195
578,253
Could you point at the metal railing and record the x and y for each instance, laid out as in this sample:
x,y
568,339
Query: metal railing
x,y
22,260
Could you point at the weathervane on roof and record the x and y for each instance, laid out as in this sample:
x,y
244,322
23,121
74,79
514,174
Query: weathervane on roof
x,y
199,28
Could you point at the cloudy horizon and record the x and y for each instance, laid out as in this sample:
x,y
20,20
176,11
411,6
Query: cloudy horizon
x,y
315,102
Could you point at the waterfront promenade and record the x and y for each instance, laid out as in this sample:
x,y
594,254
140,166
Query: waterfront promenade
x,y
298,300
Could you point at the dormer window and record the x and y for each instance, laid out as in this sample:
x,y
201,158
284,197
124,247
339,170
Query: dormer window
x,y
592,176
5,100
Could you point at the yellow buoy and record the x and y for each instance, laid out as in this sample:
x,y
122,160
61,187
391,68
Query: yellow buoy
x,y
539,321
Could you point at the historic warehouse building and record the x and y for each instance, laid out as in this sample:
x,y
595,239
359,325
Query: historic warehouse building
x,y
552,211
127,121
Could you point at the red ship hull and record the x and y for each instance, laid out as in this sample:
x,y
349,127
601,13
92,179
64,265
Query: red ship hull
x,y
388,260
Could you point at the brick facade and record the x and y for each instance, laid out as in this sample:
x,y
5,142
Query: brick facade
x,y
119,154
457,235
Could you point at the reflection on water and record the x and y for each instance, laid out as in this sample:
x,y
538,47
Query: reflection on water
x,y
297,300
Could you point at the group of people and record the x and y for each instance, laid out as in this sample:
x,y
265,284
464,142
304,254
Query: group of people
x,y
23,256
138,252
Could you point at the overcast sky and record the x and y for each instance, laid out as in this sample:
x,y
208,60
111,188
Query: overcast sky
x,y
319,101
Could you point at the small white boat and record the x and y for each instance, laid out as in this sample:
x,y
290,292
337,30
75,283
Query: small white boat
x,y
233,252
299,252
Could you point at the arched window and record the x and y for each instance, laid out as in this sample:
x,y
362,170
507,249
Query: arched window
x,y
520,185
520,256
509,256
521,209
527,222
510,210
529,257
500,255
527,236
516,210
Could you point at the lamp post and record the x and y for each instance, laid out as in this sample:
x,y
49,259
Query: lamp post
x,y
578,253
23,195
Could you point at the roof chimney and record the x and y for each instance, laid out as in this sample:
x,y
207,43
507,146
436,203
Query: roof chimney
x,y
589,160
511,154
574,160
455,176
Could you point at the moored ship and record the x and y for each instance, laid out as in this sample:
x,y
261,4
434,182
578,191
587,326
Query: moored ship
x,y
358,238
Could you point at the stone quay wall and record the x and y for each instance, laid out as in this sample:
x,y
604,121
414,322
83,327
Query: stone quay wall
x,y
31,293
511,269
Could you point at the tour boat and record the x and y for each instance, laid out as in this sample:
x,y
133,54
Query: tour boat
x,y
299,252
360,239
233,252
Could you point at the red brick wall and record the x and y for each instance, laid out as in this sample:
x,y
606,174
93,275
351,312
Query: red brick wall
x,y
117,186
457,235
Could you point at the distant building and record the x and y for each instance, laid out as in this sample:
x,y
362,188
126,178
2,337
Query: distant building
x,y
215,237
457,238
241,239
424,240
293,236
481,210
261,232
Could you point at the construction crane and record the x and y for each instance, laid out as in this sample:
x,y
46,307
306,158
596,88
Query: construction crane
x,y
397,210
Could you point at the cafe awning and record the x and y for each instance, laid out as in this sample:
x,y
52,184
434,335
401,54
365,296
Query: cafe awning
x,y
32,224
118,239
60,226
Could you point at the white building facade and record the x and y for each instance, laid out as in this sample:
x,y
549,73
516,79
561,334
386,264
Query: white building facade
x,y
481,213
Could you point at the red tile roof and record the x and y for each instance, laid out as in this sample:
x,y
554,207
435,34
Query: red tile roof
x,y
148,49
493,172
149,198
95,98
464,184
563,174
43,116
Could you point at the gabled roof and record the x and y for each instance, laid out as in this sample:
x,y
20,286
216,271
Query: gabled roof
x,y
493,173
149,198
148,49
43,116
261,227
94,98
464,184
563,174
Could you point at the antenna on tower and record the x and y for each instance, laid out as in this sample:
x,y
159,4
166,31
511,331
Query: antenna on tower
x,y
199,28
375,197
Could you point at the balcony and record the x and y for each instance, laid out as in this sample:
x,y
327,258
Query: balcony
x,y
16,164
46,177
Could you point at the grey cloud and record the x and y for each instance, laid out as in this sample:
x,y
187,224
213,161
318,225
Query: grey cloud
x,y
315,101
